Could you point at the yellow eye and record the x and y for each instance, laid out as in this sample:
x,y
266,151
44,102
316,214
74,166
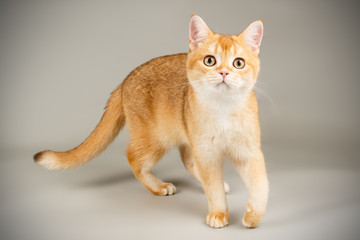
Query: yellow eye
x,y
209,61
239,63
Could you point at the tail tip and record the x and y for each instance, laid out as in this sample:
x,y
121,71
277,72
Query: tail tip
x,y
46,159
38,157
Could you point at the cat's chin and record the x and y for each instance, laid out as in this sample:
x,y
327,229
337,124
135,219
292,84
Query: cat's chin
x,y
223,85
225,88
226,93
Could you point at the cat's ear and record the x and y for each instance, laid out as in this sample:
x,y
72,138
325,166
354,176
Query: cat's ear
x,y
253,35
198,32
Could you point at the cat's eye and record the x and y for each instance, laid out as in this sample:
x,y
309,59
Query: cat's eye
x,y
209,61
239,63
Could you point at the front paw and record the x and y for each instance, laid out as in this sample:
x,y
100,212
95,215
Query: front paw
x,y
252,218
217,220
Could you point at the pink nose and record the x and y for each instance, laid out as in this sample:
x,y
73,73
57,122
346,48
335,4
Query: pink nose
x,y
223,73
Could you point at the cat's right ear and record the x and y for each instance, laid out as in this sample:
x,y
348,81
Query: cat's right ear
x,y
198,32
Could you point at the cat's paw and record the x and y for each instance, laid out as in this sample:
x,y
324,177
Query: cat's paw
x,y
226,187
217,220
166,190
252,218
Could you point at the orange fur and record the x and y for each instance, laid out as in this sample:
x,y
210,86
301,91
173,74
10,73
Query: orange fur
x,y
178,100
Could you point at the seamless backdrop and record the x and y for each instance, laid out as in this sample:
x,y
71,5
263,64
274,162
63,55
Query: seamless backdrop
x,y
59,61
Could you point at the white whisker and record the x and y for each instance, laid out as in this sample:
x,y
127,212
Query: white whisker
x,y
257,81
267,96
190,97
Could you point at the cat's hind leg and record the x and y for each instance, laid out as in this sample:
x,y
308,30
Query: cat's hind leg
x,y
188,161
142,156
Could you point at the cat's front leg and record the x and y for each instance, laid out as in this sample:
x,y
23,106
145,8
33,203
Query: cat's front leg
x,y
209,165
253,172
187,159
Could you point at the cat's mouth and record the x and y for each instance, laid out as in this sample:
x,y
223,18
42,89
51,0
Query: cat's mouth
x,y
223,83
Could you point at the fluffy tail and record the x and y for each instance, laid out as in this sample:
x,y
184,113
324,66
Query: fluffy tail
x,y
112,121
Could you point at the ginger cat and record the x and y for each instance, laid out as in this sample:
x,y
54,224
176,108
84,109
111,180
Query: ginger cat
x,y
202,102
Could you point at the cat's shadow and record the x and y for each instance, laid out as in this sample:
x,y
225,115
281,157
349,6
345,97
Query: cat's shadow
x,y
125,177
110,180
181,185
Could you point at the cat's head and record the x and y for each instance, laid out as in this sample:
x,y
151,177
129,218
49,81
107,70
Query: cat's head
x,y
223,64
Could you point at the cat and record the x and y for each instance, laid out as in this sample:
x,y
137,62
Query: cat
x,y
201,101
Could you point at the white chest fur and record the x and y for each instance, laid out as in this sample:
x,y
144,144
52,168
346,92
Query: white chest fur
x,y
223,124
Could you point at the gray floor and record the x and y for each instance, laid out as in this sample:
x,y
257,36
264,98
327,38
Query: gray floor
x,y
314,195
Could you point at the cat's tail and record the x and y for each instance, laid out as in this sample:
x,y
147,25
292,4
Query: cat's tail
x,y
112,121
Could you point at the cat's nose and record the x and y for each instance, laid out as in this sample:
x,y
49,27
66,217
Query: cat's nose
x,y
224,73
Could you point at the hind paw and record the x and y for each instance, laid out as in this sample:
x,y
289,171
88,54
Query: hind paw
x,y
166,189
226,187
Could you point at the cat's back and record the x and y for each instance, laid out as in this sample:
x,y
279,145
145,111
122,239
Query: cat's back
x,y
158,73
155,91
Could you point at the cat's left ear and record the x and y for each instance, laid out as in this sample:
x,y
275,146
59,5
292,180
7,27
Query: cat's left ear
x,y
198,32
253,35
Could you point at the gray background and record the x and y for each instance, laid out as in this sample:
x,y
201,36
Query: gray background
x,y
59,61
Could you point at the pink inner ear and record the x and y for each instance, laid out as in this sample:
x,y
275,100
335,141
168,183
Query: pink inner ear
x,y
193,44
253,36
257,40
198,32
258,36
193,32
